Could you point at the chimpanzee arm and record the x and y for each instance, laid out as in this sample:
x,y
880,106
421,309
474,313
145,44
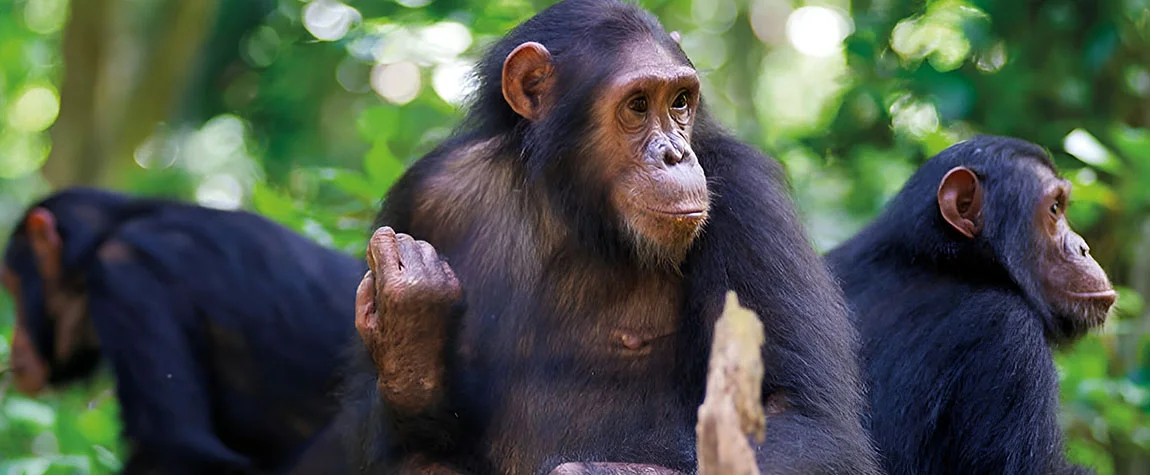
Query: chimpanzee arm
x,y
754,244
390,419
1005,403
143,327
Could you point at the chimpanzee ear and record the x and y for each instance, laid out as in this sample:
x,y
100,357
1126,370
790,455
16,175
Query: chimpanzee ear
x,y
527,79
960,201
46,242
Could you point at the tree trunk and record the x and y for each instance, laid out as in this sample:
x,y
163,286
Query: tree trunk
x,y
77,152
97,131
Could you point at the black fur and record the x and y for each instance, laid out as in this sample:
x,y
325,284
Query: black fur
x,y
225,331
956,335
519,373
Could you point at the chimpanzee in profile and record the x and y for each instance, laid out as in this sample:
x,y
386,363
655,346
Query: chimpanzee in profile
x,y
961,288
225,332
544,288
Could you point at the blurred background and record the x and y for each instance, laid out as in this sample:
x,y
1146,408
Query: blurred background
x,y
306,111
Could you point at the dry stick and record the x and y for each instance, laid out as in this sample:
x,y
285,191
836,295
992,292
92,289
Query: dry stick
x,y
733,408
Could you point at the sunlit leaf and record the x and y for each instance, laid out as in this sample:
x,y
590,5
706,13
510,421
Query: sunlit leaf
x,y
106,458
28,410
1084,146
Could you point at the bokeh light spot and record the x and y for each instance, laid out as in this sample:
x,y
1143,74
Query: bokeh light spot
x,y
769,20
156,153
46,16
220,191
817,31
329,20
453,81
35,110
916,118
399,83
709,51
21,154
444,41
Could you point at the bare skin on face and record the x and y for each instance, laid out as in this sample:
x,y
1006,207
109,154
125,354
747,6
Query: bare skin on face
x,y
29,371
1073,281
657,186
65,306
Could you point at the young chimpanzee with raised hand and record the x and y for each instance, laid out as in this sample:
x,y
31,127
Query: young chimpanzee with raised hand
x,y
960,289
545,289
225,332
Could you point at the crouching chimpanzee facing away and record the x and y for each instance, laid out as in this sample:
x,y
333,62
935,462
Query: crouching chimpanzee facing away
x,y
545,289
225,331
961,288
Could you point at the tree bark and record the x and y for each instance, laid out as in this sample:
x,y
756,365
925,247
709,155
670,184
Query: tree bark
x,y
733,408
97,132
76,155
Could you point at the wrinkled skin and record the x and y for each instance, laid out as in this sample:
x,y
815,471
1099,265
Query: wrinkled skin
x,y
401,304
1075,284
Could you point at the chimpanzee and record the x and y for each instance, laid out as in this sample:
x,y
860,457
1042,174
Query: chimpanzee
x,y
223,330
545,283
960,290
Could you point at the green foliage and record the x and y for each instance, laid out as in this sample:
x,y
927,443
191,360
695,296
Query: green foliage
x,y
307,111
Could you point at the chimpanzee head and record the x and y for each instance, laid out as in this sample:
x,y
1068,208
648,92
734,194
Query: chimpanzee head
x,y
1000,209
599,102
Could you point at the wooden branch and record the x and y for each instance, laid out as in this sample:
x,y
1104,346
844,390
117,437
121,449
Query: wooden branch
x,y
733,408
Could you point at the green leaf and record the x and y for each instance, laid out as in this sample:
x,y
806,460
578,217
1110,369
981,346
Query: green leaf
x,y
35,412
382,167
350,182
378,123
106,458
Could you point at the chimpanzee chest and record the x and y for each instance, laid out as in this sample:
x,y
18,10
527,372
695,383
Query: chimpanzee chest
x,y
598,384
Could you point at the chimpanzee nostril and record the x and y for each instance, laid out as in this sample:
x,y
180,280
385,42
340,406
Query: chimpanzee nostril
x,y
1084,249
672,155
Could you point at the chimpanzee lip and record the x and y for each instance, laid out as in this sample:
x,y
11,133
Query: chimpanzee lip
x,y
1095,294
687,213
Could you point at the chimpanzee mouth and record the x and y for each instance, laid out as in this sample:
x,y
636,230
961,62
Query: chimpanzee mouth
x,y
693,213
1095,295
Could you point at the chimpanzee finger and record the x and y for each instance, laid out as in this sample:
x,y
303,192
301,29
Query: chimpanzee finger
x,y
430,260
450,279
366,320
411,262
383,251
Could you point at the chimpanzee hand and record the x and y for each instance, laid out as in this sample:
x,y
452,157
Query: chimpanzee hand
x,y
402,308
603,468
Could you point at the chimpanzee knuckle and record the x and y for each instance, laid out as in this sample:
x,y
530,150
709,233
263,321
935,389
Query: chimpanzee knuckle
x,y
388,264
379,240
368,324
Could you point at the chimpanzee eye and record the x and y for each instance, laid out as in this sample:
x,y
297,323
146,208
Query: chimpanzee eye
x,y
681,101
638,104
1055,208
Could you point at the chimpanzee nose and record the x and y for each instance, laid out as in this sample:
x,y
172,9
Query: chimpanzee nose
x,y
672,155
1075,245
669,151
